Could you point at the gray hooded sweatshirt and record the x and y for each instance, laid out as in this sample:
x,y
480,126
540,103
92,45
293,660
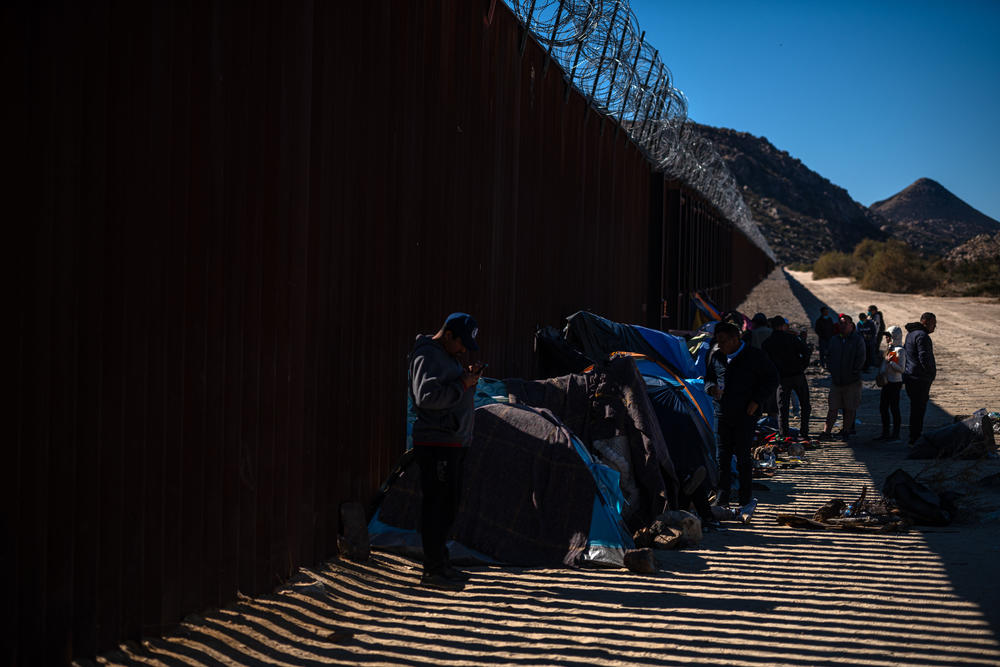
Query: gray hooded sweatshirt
x,y
444,407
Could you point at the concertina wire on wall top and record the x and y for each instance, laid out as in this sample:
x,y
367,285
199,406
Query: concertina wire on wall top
x,y
600,46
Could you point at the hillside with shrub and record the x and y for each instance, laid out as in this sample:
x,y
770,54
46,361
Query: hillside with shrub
x,y
893,266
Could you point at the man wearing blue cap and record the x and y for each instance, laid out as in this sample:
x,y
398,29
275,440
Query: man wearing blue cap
x,y
442,392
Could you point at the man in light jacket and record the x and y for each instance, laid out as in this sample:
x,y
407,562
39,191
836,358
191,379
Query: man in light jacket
x,y
846,360
920,370
443,394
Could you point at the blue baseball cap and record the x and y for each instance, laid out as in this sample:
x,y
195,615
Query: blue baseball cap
x,y
464,326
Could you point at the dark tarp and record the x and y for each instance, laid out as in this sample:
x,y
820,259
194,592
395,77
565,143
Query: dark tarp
x,y
598,337
557,357
527,496
610,401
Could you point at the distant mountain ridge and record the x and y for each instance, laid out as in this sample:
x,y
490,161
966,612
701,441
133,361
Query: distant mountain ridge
x,y
801,213
929,217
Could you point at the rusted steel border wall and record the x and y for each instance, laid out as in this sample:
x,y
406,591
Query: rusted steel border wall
x,y
699,251
240,215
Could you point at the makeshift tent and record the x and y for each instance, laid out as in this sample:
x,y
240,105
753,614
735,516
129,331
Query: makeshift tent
x,y
532,495
664,361
598,338
609,409
686,415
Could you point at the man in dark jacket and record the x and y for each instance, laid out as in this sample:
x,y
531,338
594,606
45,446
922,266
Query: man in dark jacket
x,y
847,358
920,370
790,355
875,315
741,378
824,331
868,330
442,392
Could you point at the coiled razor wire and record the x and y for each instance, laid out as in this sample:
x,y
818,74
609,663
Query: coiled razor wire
x,y
599,44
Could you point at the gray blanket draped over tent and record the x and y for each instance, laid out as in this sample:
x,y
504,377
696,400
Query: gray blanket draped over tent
x,y
527,496
611,401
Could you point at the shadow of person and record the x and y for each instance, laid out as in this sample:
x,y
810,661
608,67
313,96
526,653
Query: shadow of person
x,y
809,301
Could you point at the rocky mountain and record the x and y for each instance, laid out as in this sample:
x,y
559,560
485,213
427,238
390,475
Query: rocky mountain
x,y
981,247
929,217
801,214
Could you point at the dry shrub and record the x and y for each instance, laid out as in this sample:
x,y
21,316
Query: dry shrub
x,y
897,268
831,264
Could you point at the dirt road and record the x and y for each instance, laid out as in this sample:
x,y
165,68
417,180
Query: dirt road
x,y
752,595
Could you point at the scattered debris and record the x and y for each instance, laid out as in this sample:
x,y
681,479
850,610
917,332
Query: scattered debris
x,y
866,514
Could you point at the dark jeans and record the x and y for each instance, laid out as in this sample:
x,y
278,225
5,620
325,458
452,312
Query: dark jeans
x,y
824,351
797,384
920,394
889,404
441,486
736,437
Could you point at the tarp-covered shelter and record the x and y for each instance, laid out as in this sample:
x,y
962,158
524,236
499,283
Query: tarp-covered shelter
x,y
684,410
532,495
598,338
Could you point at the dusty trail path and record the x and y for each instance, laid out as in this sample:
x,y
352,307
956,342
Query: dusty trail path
x,y
755,595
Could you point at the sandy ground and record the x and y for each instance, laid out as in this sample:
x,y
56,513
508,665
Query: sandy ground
x,y
761,594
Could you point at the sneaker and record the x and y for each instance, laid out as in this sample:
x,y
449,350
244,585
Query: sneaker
x,y
455,575
747,510
440,581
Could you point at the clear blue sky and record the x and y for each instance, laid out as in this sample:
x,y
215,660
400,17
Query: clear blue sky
x,y
872,95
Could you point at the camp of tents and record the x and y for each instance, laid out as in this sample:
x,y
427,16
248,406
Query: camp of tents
x,y
564,470
607,454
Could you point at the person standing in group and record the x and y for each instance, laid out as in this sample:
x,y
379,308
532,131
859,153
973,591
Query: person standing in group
x,y
875,315
760,330
847,359
824,331
892,366
790,355
868,331
442,391
920,370
741,378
